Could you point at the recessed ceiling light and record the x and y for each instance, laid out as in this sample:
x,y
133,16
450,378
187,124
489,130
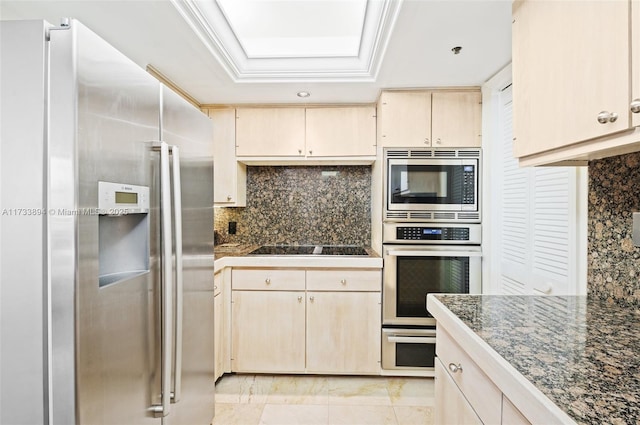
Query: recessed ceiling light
x,y
303,94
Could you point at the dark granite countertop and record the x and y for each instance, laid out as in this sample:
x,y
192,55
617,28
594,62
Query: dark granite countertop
x,y
582,353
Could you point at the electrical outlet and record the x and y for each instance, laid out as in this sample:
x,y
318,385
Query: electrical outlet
x,y
232,227
636,229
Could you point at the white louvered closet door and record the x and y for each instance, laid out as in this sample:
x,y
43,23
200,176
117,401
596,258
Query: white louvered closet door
x,y
541,227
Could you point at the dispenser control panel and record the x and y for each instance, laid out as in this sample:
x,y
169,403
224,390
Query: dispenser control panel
x,y
122,198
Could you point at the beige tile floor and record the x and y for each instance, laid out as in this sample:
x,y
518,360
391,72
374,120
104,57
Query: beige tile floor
x,y
311,400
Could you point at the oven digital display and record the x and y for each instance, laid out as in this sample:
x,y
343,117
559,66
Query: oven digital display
x,y
468,168
426,231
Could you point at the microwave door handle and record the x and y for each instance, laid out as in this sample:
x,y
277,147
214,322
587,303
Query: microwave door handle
x,y
166,284
425,253
412,339
177,215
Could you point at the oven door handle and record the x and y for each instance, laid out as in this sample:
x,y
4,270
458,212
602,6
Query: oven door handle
x,y
412,339
426,253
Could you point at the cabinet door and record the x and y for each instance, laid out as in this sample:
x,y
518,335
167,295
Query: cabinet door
x,y
218,327
565,72
268,331
635,67
343,332
229,176
405,119
341,131
451,407
270,131
456,119
218,335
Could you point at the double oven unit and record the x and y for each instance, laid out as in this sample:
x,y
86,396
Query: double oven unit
x,y
431,244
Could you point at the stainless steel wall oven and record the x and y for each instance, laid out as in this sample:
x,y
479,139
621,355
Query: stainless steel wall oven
x,y
422,258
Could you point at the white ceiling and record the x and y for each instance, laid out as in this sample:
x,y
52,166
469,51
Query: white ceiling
x,y
416,54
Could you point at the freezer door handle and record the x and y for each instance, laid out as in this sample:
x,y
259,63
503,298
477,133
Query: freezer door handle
x,y
177,214
166,285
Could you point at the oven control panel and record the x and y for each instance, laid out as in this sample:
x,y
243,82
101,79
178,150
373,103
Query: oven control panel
x,y
422,233
432,233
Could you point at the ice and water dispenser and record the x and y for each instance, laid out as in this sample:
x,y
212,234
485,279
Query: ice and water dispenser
x,y
123,231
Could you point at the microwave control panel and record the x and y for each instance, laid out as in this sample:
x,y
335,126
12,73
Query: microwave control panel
x,y
468,185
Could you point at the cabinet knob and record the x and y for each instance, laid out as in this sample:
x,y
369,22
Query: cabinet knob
x,y
438,141
605,117
229,197
312,298
454,368
343,281
267,281
299,151
300,299
426,140
635,106
310,152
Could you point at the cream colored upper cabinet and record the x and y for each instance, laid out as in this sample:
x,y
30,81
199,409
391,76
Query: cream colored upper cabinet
x,y
404,119
229,176
348,131
635,44
263,132
446,118
456,119
571,80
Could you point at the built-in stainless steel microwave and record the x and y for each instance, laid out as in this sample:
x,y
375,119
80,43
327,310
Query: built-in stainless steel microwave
x,y
439,184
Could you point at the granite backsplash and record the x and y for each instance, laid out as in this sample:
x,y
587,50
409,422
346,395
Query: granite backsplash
x,y
321,205
613,261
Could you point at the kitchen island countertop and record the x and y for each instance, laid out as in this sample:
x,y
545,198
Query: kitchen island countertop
x,y
583,354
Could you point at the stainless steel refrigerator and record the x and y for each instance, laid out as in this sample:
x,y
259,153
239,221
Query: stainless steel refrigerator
x,y
106,237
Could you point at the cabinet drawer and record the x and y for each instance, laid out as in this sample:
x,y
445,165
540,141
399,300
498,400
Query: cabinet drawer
x,y
480,391
344,280
267,279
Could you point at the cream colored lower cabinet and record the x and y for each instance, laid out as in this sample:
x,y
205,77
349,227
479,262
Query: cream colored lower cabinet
x,y
343,332
268,331
464,393
313,321
452,408
218,319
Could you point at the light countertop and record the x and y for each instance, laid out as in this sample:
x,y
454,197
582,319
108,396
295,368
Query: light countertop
x,y
583,354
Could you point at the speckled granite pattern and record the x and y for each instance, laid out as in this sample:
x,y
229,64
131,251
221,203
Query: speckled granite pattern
x,y
583,353
301,205
613,262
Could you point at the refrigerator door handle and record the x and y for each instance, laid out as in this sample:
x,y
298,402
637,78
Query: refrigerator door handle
x,y
177,214
166,285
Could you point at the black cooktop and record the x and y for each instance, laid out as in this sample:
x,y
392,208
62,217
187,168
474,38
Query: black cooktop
x,y
309,250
